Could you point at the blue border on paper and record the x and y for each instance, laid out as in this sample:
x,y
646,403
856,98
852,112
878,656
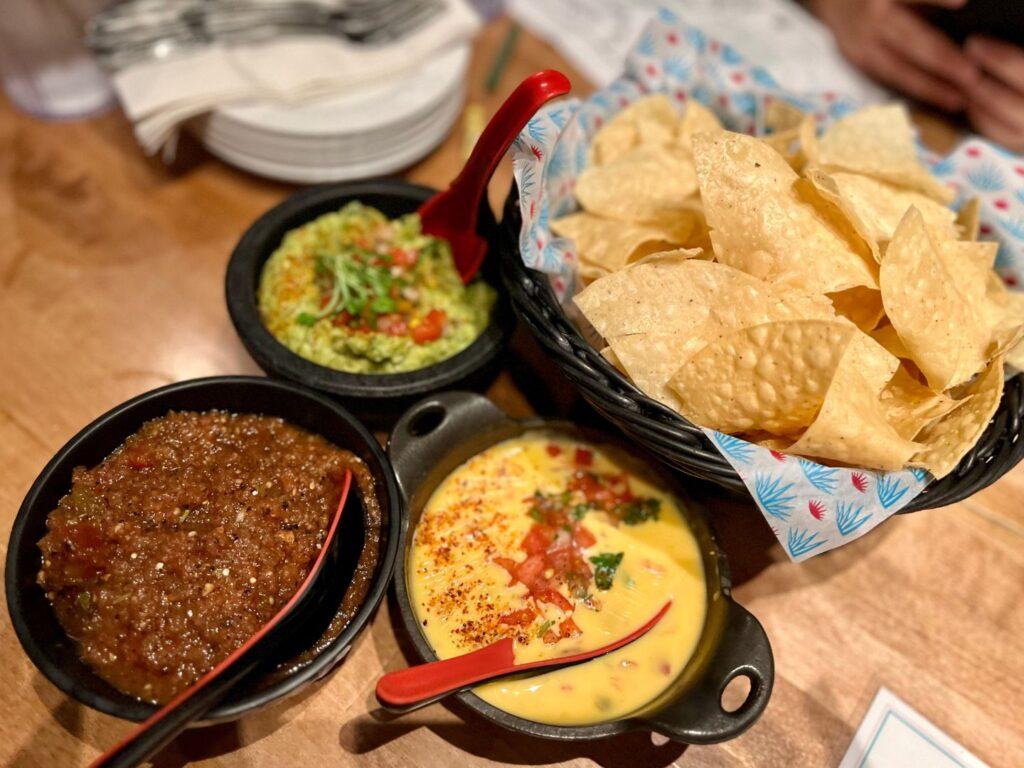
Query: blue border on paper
x,y
911,726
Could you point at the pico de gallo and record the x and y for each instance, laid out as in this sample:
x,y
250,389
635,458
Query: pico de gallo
x,y
358,292
556,542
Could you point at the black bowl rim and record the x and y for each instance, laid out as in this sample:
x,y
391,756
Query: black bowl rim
x,y
277,360
290,682
675,440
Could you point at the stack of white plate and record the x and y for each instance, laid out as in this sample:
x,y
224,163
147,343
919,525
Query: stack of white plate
x,y
374,129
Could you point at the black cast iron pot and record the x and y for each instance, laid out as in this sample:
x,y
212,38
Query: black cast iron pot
x,y
441,432
54,653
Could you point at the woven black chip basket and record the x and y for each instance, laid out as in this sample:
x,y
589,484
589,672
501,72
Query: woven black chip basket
x,y
680,443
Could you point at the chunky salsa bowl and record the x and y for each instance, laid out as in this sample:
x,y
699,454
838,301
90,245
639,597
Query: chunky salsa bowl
x,y
441,432
315,650
377,397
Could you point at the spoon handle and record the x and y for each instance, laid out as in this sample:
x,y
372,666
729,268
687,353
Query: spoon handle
x,y
511,117
420,685
415,687
150,736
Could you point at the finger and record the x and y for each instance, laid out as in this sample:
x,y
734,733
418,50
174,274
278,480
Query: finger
x,y
915,39
1002,102
995,129
893,70
1004,60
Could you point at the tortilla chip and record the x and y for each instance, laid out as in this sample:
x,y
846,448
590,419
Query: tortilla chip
x,y
696,119
770,377
851,426
609,354
968,218
948,439
651,295
761,225
658,312
1015,356
649,120
909,405
611,245
655,117
879,142
945,337
860,305
886,336
613,141
675,293
875,207
650,359
646,184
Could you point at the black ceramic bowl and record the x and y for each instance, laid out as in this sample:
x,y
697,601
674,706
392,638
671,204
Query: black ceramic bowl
x,y
54,653
439,433
377,397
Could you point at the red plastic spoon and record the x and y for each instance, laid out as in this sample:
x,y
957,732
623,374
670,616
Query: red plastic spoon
x,y
408,689
150,736
452,214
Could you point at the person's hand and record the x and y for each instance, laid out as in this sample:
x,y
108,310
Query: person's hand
x,y
894,45
995,105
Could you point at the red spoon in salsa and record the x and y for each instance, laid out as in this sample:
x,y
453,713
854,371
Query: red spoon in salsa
x,y
150,736
415,687
452,214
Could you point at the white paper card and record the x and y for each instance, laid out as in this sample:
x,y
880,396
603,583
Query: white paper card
x,y
893,735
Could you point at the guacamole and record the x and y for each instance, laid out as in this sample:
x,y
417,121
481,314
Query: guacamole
x,y
358,292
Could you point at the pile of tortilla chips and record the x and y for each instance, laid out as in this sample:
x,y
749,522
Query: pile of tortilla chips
x,y
812,294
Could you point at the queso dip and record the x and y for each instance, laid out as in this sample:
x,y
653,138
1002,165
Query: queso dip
x,y
552,543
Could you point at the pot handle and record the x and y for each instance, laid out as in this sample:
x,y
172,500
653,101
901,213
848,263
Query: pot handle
x,y
698,717
431,427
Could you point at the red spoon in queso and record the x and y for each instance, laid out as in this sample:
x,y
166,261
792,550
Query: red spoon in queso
x,y
452,214
415,687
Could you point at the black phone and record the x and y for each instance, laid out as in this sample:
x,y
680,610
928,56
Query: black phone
x,y
1003,19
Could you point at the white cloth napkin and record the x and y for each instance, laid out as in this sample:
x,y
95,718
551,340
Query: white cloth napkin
x,y
779,35
158,96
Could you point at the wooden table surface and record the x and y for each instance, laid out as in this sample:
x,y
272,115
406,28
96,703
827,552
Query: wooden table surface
x,y
111,283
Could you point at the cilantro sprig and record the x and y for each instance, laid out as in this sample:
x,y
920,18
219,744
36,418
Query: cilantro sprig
x,y
605,566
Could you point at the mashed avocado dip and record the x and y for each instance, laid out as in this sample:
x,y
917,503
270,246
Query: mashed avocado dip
x,y
357,292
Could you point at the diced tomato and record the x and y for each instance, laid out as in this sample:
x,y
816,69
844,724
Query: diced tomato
x,y
556,598
430,328
404,257
582,536
523,617
509,565
553,450
568,628
531,571
392,324
584,457
342,319
325,299
538,539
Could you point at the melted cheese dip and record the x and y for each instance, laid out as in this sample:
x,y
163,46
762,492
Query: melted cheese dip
x,y
487,509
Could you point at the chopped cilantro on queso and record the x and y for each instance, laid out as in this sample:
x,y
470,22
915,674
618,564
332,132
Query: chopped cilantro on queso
x,y
357,292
